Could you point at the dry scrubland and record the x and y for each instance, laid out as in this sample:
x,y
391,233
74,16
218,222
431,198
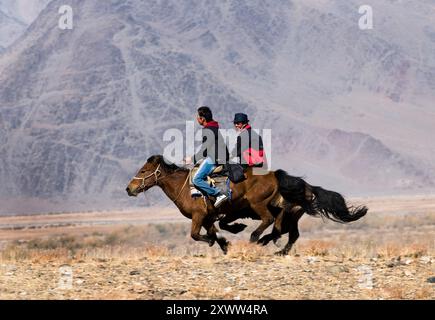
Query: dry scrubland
x,y
148,254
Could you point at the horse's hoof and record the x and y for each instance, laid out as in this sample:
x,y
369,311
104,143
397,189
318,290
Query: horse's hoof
x,y
276,239
254,238
211,243
225,247
239,227
263,242
281,253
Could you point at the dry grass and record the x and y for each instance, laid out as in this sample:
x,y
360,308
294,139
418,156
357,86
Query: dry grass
x,y
424,294
317,247
125,242
246,251
160,261
413,250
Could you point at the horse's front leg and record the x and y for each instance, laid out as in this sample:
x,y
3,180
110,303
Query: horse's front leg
x,y
276,231
197,223
212,232
266,220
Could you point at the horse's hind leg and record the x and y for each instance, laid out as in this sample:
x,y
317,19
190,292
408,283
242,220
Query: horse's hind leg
x,y
224,223
293,234
274,235
292,237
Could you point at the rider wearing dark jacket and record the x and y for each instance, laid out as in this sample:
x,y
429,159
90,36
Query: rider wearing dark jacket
x,y
213,144
213,152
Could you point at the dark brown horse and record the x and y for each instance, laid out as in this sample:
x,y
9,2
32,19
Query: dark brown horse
x,y
298,197
253,198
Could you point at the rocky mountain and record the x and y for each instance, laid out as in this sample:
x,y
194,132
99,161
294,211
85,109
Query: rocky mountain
x,y
349,109
10,29
15,17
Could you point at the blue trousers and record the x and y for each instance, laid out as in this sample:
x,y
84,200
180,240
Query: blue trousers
x,y
200,178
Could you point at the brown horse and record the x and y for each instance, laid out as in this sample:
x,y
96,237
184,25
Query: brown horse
x,y
299,198
249,198
253,198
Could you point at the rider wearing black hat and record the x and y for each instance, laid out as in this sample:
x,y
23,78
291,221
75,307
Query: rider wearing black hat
x,y
249,148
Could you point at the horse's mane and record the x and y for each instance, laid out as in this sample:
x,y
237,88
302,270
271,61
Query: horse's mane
x,y
165,164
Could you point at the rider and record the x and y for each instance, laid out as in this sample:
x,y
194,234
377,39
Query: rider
x,y
249,148
213,152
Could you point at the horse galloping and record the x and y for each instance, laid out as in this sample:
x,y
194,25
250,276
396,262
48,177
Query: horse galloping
x,y
253,198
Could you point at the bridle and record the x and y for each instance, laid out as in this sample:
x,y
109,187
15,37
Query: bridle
x,y
157,173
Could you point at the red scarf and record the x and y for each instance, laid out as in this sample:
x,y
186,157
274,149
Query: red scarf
x,y
213,124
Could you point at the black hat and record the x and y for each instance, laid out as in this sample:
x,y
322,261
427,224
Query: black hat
x,y
241,117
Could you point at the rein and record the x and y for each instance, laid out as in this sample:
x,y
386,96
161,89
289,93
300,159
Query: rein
x,y
185,182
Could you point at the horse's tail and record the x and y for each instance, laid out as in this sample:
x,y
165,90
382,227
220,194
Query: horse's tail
x,y
332,205
317,201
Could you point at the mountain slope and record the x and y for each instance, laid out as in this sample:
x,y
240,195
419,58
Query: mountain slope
x,y
82,109
15,17
10,29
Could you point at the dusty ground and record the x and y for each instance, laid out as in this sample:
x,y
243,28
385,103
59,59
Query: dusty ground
x,y
148,254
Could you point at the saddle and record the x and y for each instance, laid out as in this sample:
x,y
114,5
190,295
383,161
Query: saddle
x,y
218,178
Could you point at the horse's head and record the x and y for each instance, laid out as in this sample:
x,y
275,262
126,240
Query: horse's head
x,y
148,176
